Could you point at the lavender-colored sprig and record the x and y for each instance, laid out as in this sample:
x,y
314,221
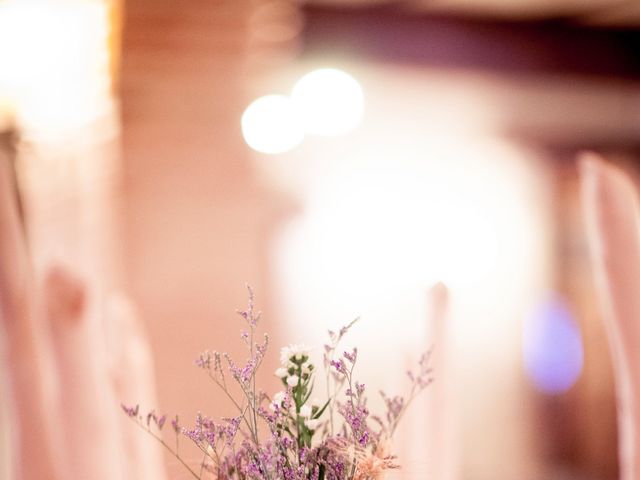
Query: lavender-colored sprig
x,y
354,411
397,406
249,314
153,427
231,448
245,375
334,378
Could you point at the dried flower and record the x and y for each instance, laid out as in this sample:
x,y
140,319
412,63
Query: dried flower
x,y
295,447
294,353
293,380
305,411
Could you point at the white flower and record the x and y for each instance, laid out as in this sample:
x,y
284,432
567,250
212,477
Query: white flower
x,y
293,351
277,400
306,369
312,424
281,372
292,381
305,411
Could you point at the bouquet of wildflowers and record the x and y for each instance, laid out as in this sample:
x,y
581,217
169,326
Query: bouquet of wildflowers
x,y
291,435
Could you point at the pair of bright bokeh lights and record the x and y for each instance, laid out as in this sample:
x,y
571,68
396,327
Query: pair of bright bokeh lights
x,y
324,102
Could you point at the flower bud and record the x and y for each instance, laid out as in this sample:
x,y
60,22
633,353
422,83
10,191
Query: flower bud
x,y
312,424
305,411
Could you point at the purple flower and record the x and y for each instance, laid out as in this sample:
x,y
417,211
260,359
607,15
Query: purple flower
x,y
339,366
298,443
131,411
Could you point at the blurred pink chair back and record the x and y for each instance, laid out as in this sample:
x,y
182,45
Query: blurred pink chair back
x,y
442,446
611,212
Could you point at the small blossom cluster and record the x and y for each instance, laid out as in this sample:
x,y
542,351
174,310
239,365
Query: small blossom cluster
x,y
304,438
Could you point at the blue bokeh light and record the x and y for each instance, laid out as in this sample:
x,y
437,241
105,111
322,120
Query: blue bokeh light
x,y
552,347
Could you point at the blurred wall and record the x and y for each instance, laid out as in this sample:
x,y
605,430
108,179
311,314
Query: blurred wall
x,y
196,222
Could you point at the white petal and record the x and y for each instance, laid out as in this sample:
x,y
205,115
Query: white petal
x,y
305,411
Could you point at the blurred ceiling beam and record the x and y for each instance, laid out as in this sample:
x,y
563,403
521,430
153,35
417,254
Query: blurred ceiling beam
x,y
623,14
601,12
391,33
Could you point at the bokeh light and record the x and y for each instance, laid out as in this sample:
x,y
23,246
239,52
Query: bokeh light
x,y
270,125
330,102
552,348
55,65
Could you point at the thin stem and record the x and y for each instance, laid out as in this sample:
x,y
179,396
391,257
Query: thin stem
x,y
174,453
204,459
233,400
410,398
353,411
253,380
328,374
416,388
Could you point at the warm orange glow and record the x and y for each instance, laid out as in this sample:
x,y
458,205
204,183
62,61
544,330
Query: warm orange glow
x,y
55,62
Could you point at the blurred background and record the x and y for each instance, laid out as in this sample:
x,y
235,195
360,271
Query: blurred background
x,y
341,157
